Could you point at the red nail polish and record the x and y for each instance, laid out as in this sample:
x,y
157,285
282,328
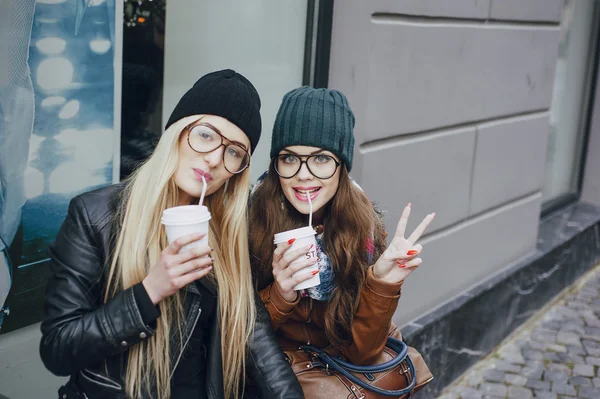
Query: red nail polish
x,y
291,240
402,265
412,252
315,272
311,245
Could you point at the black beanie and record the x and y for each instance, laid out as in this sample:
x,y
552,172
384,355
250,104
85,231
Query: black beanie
x,y
227,94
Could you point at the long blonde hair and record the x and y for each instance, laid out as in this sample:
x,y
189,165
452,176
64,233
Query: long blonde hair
x,y
141,238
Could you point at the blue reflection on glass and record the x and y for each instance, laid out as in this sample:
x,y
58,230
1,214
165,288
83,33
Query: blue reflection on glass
x,y
5,280
57,112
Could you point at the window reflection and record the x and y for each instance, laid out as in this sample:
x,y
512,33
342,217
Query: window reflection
x,y
57,133
143,61
570,97
5,280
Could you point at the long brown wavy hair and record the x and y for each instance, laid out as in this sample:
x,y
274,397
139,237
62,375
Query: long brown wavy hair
x,y
349,223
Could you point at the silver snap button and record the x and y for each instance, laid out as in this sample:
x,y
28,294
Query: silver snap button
x,y
124,343
142,335
64,396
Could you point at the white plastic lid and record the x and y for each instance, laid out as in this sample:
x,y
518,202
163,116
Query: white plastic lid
x,y
302,232
186,214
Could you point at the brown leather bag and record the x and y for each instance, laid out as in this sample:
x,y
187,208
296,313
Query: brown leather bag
x,y
321,382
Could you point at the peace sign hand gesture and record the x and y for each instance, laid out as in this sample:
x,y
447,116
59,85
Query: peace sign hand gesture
x,y
401,257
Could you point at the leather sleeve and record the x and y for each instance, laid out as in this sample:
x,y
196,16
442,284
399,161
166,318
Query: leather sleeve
x,y
268,367
371,325
78,329
278,308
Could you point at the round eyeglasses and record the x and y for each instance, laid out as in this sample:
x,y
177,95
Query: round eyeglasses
x,y
320,166
204,138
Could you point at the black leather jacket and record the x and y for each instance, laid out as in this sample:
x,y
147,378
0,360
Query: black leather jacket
x,y
88,340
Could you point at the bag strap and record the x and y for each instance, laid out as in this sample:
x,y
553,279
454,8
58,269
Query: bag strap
x,y
394,344
344,368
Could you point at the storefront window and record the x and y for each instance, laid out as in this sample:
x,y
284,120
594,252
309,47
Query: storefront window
x,y
264,41
85,89
569,110
59,69
5,280
142,81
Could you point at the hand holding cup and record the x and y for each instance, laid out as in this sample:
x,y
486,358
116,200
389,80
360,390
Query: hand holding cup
x,y
175,270
288,267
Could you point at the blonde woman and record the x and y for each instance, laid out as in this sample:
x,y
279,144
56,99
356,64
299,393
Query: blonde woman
x,y
126,314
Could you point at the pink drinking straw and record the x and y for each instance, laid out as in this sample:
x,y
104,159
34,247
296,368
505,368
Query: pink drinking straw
x,y
310,208
203,190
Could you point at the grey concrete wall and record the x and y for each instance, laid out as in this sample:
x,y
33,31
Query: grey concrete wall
x,y
22,373
451,100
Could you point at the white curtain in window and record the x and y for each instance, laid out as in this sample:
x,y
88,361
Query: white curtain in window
x,y
261,39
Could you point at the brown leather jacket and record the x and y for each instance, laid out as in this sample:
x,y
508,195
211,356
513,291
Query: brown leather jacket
x,y
302,321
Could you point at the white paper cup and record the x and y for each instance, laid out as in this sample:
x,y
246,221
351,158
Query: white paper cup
x,y
304,236
187,219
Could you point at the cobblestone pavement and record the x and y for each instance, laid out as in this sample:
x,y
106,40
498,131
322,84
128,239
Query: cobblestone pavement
x,y
557,356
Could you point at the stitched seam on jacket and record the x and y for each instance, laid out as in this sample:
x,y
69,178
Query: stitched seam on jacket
x,y
282,313
381,327
103,377
261,374
112,385
129,306
87,220
109,329
279,315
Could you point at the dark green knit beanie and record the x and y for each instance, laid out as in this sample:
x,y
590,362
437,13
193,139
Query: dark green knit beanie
x,y
317,118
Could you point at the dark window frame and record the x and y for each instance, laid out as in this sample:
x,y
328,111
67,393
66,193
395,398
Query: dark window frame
x,y
317,45
590,97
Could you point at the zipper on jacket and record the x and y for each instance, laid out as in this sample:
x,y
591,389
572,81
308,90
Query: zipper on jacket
x,y
306,333
186,341
308,307
107,381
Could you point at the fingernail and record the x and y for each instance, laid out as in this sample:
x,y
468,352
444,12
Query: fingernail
x,y
315,272
291,240
412,252
409,204
402,265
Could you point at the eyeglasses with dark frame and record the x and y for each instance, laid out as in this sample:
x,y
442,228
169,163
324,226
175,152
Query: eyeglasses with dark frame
x,y
203,138
321,166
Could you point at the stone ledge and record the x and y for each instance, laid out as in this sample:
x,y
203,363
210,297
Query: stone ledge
x,y
464,330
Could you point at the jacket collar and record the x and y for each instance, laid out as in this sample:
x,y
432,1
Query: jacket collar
x,y
194,289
